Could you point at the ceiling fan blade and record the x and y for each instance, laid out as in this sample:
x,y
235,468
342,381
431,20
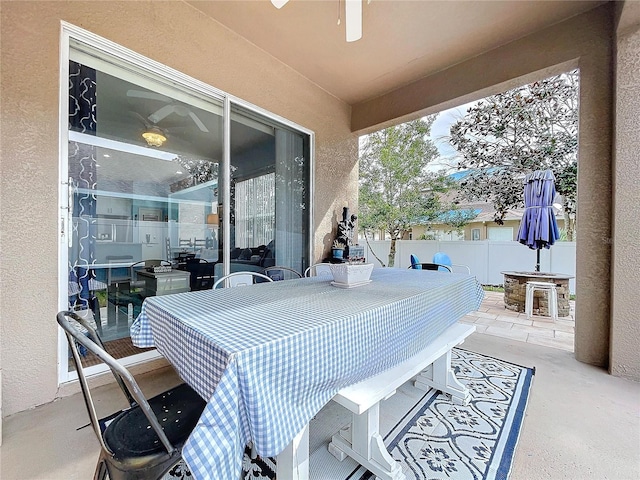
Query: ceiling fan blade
x,y
161,113
353,19
279,3
198,122
147,95
143,120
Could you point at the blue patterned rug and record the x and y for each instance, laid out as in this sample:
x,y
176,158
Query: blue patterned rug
x,y
428,434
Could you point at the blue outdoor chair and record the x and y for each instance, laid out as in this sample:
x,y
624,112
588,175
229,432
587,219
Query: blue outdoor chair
x,y
417,265
442,258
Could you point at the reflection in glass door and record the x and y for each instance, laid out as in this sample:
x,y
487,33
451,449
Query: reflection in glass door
x,y
143,161
156,174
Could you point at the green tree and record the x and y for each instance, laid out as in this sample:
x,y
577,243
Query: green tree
x,y
505,136
458,218
396,187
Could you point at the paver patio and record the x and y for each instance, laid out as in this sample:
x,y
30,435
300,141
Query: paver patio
x,y
494,319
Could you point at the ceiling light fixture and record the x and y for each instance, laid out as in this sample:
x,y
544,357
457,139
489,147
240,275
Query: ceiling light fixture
x,y
154,137
353,16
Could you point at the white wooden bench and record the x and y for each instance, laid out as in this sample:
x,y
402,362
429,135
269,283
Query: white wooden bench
x,y
361,440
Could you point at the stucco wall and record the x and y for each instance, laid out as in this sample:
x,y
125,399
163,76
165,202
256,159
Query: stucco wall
x,y
625,331
584,41
176,35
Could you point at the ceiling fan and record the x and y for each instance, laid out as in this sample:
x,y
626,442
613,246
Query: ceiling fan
x,y
171,107
353,17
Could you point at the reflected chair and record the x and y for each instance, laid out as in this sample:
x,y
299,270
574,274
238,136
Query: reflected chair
x,y
202,274
241,279
167,242
119,269
319,270
145,440
277,273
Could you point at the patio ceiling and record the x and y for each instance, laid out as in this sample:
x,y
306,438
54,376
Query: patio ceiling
x,y
402,41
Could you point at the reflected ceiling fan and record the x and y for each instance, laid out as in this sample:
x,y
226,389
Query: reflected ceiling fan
x,y
171,107
353,16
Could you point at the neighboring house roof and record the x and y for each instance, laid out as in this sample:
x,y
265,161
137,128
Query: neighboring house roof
x,y
444,217
484,211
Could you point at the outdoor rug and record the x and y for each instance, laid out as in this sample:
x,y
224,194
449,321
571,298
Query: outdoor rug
x,y
427,433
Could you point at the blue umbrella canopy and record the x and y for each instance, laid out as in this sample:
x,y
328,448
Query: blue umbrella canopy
x,y
538,228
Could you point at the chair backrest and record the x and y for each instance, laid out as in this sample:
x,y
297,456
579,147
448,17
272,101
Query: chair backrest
x,y
430,266
415,263
240,279
168,247
202,274
319,270
277,273
441,258
116,273
89,339
444,259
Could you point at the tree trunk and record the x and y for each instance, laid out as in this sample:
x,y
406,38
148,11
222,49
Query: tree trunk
x,y
371,250
392,252
569,226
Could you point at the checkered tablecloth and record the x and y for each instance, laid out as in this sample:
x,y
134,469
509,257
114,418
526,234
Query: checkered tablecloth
x,y
268,357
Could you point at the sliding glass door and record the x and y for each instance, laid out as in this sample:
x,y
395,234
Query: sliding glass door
x,y
155,174
269,194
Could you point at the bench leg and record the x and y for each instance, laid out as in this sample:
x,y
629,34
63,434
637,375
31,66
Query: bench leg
x,y
293,462
440,376
362,442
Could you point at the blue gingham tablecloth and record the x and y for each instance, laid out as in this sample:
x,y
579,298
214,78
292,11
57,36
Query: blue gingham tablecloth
x,y
268,357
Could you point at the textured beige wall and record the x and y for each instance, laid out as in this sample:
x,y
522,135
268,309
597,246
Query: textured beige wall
x,y
625,331
176,35
584,41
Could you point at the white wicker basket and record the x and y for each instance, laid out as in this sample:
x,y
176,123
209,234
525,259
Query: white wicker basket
x,y
350,274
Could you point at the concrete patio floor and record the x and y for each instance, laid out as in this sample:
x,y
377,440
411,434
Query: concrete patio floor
x,y
581,423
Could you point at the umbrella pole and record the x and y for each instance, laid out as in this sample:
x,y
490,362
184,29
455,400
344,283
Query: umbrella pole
x,y
537,259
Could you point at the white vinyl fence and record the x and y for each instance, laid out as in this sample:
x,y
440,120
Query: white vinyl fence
x,y
486,259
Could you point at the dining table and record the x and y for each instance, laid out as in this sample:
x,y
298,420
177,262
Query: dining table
x,y
269,356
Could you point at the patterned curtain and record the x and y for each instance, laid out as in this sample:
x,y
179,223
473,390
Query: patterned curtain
x,y
82,175
290,200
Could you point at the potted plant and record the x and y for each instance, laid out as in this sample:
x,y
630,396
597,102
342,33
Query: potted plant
x,y
337,249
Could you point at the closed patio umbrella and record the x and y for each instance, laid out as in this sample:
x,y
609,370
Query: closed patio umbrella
x,y
538,228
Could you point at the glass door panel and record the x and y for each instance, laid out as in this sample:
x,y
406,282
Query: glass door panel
x,y
269,194
143,162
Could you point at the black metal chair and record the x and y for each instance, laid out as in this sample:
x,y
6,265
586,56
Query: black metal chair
x,y
202,273
277,273
145,440
430,266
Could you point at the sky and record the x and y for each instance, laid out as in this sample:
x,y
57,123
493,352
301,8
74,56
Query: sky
x,y
440,132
